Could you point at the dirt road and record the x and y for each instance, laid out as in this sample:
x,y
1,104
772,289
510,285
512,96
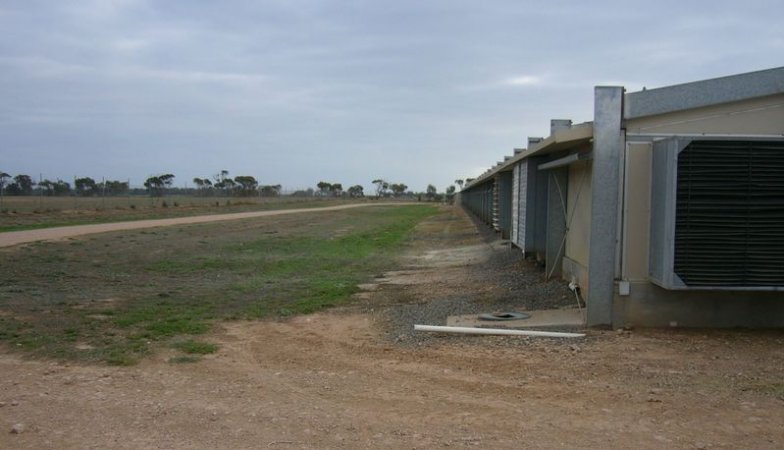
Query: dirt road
x,y
336,380
11,238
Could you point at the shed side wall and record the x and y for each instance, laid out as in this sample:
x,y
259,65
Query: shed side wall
x,y
757,117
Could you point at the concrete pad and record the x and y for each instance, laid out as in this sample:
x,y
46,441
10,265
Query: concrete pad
x,y
452,257
368,287
541,318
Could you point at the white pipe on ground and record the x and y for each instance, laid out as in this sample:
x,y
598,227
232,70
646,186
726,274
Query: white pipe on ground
x,y
495,331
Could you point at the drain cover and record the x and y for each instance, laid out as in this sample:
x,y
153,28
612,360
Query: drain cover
x,y
504,316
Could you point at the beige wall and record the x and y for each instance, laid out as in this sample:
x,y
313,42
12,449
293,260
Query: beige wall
x,y
648,304
759,116
636,211
753,117
579,210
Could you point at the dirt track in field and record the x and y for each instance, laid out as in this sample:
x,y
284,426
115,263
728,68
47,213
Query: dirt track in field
x,y
11,238
333,380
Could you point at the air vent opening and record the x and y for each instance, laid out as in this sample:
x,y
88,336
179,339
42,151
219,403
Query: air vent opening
x,y
729,218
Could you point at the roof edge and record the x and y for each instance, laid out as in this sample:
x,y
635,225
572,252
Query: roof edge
x,y
564,136
703,93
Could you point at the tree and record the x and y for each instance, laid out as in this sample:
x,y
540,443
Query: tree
x,y
332,189
270,190
157,184
63,188
324,187
246,185
336,189
114,187
309,192
431,192
459,183
203,185
398,189
450,193
223,182
22,185
47,187
85,186
381,187
229,185
168,179
54,188
4,177
356,191
154,186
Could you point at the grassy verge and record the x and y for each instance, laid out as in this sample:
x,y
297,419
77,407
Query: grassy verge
x,y
115,298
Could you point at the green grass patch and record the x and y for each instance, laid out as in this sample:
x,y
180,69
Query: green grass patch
x,y
192,347
115,300
184,359
120,358
773,389
165,318
301,275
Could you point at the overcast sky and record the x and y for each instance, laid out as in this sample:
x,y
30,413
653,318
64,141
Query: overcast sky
x,y
298,91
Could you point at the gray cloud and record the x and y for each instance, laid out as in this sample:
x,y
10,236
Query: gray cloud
x,y
293,92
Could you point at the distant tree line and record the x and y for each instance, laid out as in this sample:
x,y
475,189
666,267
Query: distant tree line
x,y
241,186
220,184
25,185
385,189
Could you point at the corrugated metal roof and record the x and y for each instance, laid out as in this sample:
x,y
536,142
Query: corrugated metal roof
x,y
703,93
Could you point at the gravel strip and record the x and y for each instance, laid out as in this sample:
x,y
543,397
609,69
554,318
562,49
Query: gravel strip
x,y
519,285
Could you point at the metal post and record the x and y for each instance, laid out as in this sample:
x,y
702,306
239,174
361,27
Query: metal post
x,y
607,147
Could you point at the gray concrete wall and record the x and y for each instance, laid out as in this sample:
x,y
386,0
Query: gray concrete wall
x,y
651,306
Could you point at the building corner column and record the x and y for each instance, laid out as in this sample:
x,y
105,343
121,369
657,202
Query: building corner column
x,y
607,151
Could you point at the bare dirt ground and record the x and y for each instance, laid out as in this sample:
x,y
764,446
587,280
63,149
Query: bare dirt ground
x,y
350,378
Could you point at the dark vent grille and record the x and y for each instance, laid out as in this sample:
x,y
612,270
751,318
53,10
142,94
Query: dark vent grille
x,y
729,228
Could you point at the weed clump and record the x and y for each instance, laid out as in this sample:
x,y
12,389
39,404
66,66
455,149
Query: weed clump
x,y
192,347
184,359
